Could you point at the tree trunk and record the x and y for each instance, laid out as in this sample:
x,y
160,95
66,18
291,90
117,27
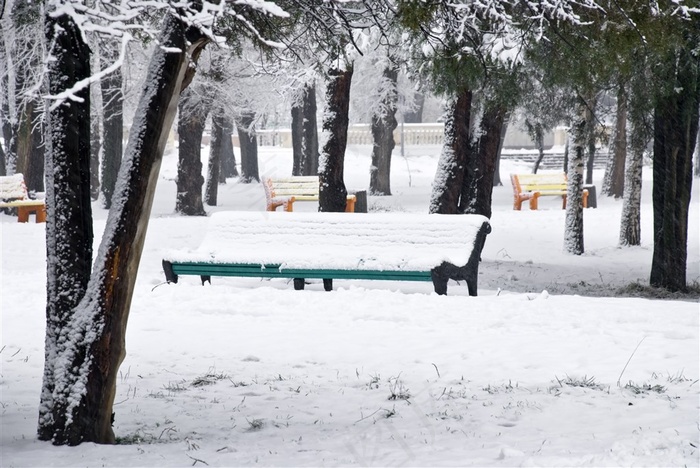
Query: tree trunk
x,y
573,232
30,146
2,161
383,126
332,191
297,128
480,182
249,148
93,339
113,128
497,172
228,157
449,177
95,147
630,225
190,126
675,132
309,136
68,229
211,192
614,181
539,143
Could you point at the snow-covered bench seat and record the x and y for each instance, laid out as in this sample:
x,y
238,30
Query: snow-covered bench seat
x,y
13,194
386,246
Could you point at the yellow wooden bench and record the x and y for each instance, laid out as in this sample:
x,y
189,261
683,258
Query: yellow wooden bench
x,y
13,194
285,191
533,186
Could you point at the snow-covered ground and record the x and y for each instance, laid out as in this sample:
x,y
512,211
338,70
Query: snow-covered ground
x,y
545,368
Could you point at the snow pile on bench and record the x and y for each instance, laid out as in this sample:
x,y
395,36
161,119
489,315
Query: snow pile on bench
x,y
342,241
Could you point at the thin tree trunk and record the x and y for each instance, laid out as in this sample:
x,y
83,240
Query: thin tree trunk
x,y
675,132
449,177
30,147
249,148
614,181
480,185
113,129
332,191
93,340
68,230
190,126
383,127
95,147
2,161
573,232
539,143
630,225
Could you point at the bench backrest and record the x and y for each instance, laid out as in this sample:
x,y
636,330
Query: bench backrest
x,y
300,187
351,241
530,182
13,188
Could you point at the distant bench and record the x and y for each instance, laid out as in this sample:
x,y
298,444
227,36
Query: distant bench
x,y
13,194
533,186
390,246
287,190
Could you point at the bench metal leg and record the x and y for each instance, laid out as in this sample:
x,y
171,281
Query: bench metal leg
x,y
328,284
439,281
205,278
298,284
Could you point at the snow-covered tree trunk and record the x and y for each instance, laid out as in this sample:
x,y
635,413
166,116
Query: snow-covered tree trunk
x,y
477,197
497,182
249,147
449,177
614,180
211,192
630,224
96,115
675,132
573,230
305,133
79,388
539,144
332,191
68,229
30,146
222,128
383,125
113,126
415,115
190,125
590,139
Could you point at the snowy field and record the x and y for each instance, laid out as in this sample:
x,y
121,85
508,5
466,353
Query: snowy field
x,y
547,367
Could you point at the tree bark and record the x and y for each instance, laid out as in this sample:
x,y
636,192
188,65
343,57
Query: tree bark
x,y
383,126
113,131
305,133
332,191
573,231
30,146
449,177
479,184
539,144
95,147
93,340
228,157
675,132
68,227
497,182
614,180
190,126
249,148
211,192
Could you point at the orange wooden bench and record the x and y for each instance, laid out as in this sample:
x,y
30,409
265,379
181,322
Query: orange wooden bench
x,y
285,191
13,194
533,186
